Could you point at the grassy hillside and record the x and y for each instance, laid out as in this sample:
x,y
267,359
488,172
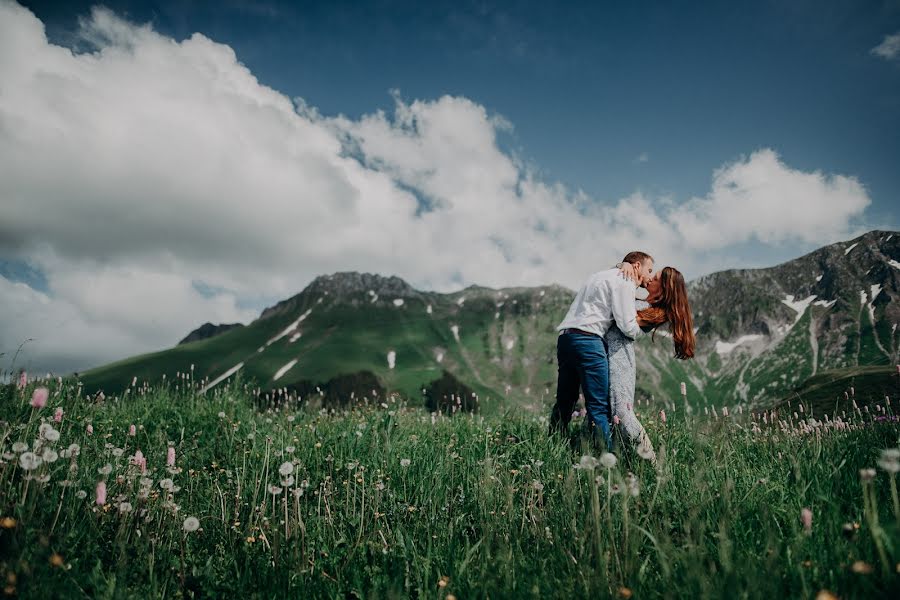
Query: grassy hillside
x,y
396,503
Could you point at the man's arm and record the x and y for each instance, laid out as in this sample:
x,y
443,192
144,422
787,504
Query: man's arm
x,y
623,309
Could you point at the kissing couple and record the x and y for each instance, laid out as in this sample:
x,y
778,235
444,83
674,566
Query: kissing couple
x,y
595,347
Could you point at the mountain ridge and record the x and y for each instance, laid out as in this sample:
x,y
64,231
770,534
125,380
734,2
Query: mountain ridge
x,y
759,331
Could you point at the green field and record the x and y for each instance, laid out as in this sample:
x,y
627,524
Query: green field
x,y
386,501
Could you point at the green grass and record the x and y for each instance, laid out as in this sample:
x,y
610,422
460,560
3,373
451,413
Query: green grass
x,y
487,507
829,392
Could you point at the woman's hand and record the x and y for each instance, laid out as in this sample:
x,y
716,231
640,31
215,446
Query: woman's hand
x,y
629,272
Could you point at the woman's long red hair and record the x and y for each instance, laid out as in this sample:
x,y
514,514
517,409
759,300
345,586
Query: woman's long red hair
x,y
673,306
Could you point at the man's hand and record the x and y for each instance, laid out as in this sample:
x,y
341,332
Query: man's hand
x,y
630,272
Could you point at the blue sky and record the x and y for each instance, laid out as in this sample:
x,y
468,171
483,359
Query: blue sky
x,y
589,87
163,164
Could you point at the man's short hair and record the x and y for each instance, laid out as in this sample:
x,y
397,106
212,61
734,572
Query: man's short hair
x,y
636,257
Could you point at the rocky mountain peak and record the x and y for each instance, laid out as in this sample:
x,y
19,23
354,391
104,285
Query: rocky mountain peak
x,y
350,283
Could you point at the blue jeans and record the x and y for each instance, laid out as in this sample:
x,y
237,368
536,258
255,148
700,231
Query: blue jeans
x,y
582,362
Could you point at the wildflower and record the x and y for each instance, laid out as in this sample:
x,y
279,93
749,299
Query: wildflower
x,y
866,475
405,462
444,581
51,435
101,493
39,397
56,560
30,461
105,469
806,518
19,447
132,430
890,460
624,593
587,463
634,488
289,481
662,416
286,468
139,460
289,449
7,523
825,595
58,415
608,460
90,429
117,452
167,484
170,457
537,485
221,414
49,455
191,524
274,490
861,567
683,389
125,507
81,494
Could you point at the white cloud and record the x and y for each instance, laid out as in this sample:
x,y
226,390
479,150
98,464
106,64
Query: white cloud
x,y
762,198
889,48
642,158
130,172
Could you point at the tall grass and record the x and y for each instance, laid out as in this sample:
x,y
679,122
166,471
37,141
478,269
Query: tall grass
x,y
385,501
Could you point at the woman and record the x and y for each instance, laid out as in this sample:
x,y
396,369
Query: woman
x,y
667,302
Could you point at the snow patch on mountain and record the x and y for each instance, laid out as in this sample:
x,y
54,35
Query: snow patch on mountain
x,y
392,359
290,328
876,289
284,370
727,347
455,330
222,377
847,251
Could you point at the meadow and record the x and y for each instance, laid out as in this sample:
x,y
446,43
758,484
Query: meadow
x,y
164,492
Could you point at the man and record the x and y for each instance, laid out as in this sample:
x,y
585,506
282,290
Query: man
x,y
606,298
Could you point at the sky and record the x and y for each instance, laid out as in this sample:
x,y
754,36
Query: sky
x,y
164,164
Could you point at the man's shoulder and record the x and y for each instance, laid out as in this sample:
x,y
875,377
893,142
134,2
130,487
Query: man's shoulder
x,y
611,277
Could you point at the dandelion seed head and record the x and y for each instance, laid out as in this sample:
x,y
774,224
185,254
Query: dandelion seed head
x,y
191,524
30,461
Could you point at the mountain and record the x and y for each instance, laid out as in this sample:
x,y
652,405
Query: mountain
x,y
761,334
208,330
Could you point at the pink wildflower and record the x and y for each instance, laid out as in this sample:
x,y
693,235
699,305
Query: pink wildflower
x,y
101,493
616,419
170,457
683,389
132,430
139,460
90,429
806,519
39,397
662,416
58,415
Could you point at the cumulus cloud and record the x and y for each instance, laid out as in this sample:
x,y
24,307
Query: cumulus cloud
x,y
889,48
138,173
760,197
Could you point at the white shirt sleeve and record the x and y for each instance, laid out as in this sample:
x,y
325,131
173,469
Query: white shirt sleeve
x,y
623,309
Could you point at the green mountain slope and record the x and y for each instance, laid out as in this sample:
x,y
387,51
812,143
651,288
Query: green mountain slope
x,y
760,333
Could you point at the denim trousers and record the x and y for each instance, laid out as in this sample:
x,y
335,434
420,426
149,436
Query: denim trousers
x,y
583,364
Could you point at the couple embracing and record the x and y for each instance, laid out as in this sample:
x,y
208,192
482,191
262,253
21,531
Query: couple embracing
x,y
595,348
